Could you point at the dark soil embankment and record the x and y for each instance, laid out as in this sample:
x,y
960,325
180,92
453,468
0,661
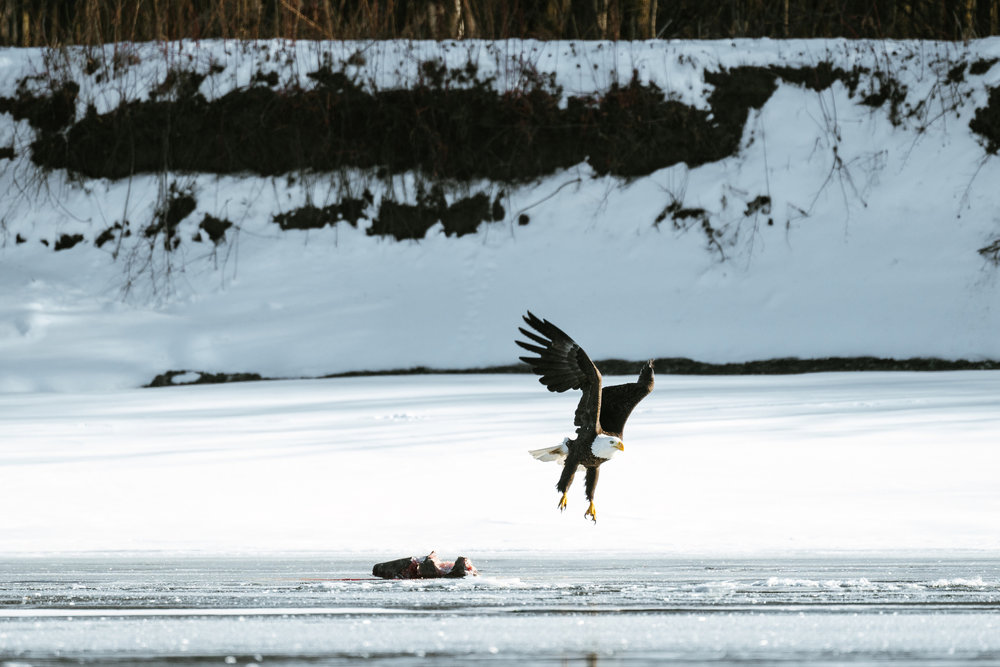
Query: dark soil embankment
x,y
46,113
348,209
406,221
399,220
986,122
450,125
685,366
663,366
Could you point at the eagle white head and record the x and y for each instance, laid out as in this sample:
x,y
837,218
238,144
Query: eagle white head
x,y
605,446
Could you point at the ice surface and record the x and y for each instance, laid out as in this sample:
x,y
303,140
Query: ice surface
x,y
527,610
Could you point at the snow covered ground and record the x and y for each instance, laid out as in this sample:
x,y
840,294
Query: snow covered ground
x,y
869,246
399,465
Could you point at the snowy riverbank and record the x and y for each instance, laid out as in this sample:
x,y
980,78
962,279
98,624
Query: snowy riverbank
x,y
868,244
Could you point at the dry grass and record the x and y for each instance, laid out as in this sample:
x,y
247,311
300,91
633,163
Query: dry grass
x,y
59,22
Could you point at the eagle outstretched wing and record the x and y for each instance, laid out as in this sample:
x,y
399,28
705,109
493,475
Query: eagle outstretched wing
x,y
562,365
618,401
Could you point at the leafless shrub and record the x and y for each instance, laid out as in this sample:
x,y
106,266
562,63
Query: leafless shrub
x,y
57,22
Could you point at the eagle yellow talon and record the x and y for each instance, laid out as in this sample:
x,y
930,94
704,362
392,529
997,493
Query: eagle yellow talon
x,y
562,502
591,512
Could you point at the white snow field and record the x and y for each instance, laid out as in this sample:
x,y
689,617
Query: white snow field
x,y
869,246
394,465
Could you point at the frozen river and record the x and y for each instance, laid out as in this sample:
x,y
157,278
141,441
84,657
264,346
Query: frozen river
x,y
739,468
554,610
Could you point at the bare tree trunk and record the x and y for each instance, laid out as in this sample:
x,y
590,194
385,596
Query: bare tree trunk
x,y
969,20
26,27
11,14
469,27
589,19
92,31
556,14
643,19
451,14
6,10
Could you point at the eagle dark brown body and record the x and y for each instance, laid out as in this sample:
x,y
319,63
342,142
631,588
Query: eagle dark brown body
x,y
602,412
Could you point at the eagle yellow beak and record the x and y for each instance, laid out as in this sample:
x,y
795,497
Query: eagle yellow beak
x,y
620,446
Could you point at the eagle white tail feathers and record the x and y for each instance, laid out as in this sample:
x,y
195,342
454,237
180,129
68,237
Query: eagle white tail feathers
x,y
552,453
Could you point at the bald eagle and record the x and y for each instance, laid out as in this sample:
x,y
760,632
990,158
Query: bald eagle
x,y
601,413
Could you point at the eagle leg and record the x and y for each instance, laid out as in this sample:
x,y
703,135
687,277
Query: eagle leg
x,y
569,469
592,474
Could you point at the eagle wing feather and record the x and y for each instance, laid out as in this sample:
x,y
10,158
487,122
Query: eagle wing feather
x,y
618,401
562,365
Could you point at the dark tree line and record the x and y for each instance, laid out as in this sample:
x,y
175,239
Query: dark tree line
x,y
58,22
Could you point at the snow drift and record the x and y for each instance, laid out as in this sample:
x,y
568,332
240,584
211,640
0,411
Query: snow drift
x,y
851,218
